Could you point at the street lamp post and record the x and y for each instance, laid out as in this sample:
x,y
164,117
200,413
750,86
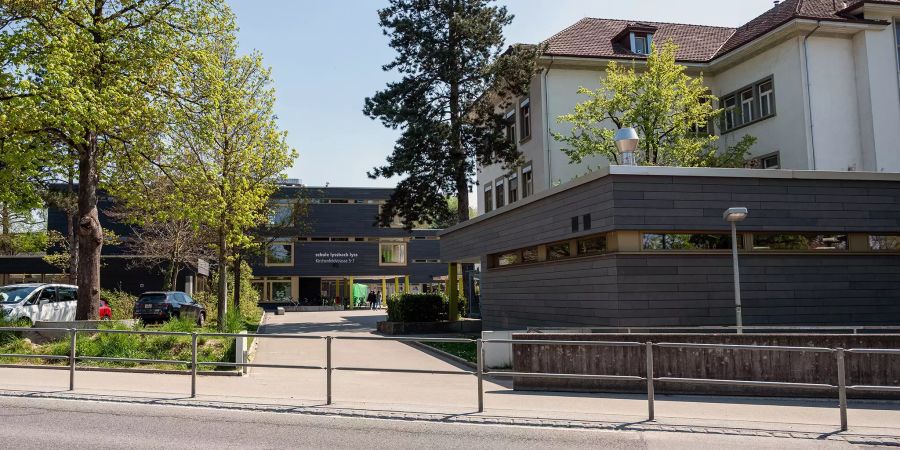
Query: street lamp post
x,y
735,215
626,142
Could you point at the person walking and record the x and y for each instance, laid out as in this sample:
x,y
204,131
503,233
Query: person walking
x,y
371,299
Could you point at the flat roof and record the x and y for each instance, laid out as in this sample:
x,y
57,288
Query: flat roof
x,y
712,172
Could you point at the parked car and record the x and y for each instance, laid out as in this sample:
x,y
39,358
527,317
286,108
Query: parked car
x,y
105,312
152,307
36,302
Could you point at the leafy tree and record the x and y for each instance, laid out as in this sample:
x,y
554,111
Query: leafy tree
x,y
222,149
88,75
452,219
668,108
456,82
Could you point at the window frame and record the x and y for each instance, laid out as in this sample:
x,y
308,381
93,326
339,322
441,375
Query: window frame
x,y
488,197
870,241
525,120
499,193
510,119
846,248
737,119
512,187
747,107
663,234
405,253
769,95
527,187
266,261
728,113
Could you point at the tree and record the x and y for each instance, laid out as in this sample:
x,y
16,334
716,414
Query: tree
x,y
88,75
457,81
668,108
452,219
222,149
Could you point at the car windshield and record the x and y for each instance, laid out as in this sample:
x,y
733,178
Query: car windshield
x,y
152,298
15,294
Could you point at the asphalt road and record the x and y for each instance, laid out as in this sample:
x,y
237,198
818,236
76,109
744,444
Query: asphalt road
x,y
46,423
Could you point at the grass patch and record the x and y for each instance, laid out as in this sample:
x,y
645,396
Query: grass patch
x,y
465,350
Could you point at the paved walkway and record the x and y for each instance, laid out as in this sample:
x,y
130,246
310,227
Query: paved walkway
x,y
439,397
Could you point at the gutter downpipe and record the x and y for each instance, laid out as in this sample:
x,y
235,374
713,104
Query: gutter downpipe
x,y
812,136
546,94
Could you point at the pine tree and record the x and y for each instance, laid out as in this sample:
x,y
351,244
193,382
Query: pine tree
x,y
457,79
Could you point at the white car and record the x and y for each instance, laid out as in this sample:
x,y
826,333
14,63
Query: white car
x,y
39,302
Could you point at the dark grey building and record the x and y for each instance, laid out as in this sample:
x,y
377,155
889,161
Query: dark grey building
x,y
647,246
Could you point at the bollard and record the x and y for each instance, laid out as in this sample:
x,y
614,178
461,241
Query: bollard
x,y
650,393
72,346
842,386
193,365
328,370
480,374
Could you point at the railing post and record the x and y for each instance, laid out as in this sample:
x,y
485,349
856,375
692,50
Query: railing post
x,y
328,370
842,386
651,395
480,369
72,354
193,365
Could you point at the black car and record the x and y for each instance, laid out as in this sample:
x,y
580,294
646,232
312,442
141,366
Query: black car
x,y
161,306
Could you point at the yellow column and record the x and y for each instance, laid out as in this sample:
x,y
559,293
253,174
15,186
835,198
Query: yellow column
x,y
396,286
453,292
406,284
350,289
384,295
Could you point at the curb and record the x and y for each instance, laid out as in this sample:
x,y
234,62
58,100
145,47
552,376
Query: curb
x,y
251,352
644,426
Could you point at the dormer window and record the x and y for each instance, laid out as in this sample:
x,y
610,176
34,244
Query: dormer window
x,y
636,38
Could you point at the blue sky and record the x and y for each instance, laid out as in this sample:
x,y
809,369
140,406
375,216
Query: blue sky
x,y
326,57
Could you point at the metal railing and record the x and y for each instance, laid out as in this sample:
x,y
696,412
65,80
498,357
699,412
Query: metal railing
x,y
862,329
480,371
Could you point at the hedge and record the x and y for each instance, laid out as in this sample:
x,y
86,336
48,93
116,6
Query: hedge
x,y
422,308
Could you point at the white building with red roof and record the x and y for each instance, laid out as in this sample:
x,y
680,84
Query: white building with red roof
x,y
817,82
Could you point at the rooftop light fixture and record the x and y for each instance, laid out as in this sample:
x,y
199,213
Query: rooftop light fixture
x,y
627,142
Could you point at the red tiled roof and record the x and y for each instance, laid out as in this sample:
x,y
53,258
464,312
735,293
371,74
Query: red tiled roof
x,y
594,38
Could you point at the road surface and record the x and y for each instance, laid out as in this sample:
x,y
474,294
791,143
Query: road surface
x,y
49,423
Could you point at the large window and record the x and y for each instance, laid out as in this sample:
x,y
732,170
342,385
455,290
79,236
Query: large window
x,y
508,259
513,181
527,181
525,119
280,254
592,246
730,118
687,241
559,251
747,106
799,241
281,215
499,193
766,99
392,253
890,243
488,198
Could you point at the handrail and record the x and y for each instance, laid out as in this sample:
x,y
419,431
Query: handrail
x,y
480,371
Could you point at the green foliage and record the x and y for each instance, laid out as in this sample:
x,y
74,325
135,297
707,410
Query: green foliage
x,y
422,307
457,77
250,311
121,303
664,105
19,243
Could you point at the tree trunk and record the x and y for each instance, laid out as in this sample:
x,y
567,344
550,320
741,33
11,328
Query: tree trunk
x,y
71,221
238,260
90,234
223,280
460,158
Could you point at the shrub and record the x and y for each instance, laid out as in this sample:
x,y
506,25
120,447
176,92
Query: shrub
x,y
121,303
422,308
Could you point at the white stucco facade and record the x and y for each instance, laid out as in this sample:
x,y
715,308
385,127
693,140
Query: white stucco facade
x,y
836,100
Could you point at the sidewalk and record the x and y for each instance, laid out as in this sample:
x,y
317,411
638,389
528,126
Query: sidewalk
x,y
443,397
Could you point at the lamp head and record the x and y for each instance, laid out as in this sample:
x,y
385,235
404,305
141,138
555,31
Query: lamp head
x,y
626,140
736,214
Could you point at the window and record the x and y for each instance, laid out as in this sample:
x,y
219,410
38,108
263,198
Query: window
x,y
511,126
592,246
729,113
281,214
884,243
392,253
530,255
558,251
799,241
508,259
586,222
525,119
488,198
641,46
513,181
766,99
48,294
499,193
67,294
527,181
280,254
687,241
747,106
280,289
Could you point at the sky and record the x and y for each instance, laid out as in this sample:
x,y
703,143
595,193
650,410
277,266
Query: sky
x,y
326,58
